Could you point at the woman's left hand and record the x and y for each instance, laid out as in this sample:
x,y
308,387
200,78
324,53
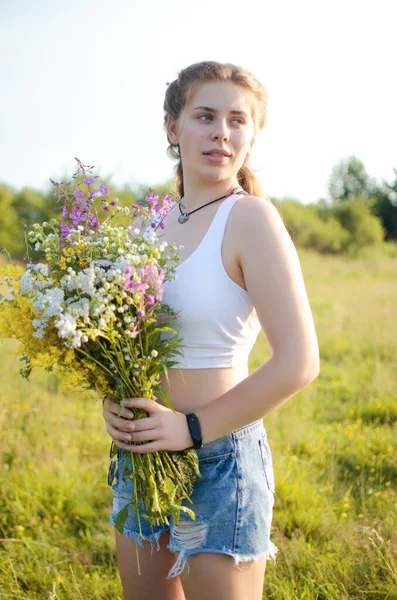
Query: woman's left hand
x,y
163,429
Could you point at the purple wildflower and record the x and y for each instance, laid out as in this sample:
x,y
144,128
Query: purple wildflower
x,y
65,229
78,194
92,220
134,331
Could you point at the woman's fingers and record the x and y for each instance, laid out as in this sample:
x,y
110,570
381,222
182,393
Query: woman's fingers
x,y
116,434
128,424
149,435
114,407
119,422
139,449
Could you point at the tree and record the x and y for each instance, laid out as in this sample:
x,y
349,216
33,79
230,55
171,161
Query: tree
x,y
385,207
356,217
11,228
349,179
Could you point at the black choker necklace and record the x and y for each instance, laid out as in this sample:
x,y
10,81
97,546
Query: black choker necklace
x,y
184,216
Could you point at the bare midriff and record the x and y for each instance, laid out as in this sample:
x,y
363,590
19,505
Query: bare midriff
x,y
191,389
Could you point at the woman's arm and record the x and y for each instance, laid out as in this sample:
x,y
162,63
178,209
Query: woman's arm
x,y
274,282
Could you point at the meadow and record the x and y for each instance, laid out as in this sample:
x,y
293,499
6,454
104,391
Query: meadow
x,y
334,449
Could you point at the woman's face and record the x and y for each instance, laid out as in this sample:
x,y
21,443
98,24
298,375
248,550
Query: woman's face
x,y
227,126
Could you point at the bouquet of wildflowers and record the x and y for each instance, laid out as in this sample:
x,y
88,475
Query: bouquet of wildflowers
x,y
92,309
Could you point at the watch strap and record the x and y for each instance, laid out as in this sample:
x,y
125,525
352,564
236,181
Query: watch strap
x,y
195,430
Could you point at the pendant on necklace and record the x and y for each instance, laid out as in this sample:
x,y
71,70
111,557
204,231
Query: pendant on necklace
x,y
183,217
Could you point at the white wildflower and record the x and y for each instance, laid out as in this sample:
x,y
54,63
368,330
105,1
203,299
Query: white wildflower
x,y
27,282
154,353
49,303
66,325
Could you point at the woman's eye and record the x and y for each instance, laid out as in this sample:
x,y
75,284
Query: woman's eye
x,y
240,121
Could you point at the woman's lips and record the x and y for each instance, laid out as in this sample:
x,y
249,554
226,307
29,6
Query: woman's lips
x,y
216,158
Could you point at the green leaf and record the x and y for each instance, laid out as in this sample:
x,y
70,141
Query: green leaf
x,y
121,518
140,472
164,366
165,399
189,512
169,486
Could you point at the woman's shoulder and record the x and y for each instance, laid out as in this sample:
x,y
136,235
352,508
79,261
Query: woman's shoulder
x,y
250,207
256,219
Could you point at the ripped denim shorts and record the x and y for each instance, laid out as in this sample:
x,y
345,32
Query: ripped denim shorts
x,y
233,502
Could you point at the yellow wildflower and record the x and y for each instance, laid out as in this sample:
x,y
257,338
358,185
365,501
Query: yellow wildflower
x,y
62,263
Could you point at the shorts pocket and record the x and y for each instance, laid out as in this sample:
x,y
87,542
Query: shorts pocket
x,y
267,463
217,458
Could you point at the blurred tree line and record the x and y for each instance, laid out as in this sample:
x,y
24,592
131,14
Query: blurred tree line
x,y
361,214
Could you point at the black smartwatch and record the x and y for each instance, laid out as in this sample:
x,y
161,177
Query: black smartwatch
x,y
195,430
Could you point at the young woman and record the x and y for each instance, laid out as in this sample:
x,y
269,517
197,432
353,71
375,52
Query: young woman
x,y
239,273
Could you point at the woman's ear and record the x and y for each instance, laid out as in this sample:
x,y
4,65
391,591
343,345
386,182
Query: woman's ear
x,y
172,130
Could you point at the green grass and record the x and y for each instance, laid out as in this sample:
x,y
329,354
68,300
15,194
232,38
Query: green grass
x,y
334,449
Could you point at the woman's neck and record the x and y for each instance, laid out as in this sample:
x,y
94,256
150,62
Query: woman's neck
x,y
197,195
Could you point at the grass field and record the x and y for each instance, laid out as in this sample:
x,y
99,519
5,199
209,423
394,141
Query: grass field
x,y
334,450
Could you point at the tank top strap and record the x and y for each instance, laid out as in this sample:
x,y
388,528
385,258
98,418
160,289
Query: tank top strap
x,y
217,228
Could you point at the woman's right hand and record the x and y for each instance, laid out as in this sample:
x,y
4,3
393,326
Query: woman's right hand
x,y
118,427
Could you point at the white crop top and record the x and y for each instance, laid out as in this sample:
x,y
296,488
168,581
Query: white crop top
x,y
218,323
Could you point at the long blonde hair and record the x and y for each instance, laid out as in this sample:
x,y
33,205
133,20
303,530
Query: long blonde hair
x,y
178,94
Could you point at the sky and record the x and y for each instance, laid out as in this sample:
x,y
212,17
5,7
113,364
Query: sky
x,y
87,78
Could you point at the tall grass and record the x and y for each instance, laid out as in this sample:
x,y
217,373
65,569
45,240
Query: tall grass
x,y
334,449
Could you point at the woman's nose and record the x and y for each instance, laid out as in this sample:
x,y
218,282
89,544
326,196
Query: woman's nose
x,y
221,130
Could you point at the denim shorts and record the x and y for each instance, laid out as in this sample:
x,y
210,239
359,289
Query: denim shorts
x,y
233,502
